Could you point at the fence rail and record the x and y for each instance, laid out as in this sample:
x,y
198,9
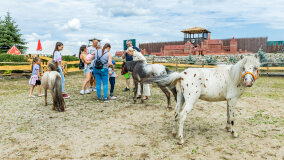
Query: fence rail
x,y
173,62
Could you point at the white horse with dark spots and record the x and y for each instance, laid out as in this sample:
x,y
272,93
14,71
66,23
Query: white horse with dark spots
x,y
224,83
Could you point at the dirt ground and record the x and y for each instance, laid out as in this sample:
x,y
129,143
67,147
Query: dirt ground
x,y
122,130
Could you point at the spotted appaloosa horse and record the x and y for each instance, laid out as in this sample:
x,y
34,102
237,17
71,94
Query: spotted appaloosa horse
x,y
224,83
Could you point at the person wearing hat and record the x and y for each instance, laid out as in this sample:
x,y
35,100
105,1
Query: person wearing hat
x,y
92,50
112,76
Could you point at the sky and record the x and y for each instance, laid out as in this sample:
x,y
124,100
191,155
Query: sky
x,y
74,22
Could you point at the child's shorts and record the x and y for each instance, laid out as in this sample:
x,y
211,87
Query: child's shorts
x,y
127,75
38,82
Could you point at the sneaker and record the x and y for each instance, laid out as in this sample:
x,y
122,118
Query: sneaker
x,y
65,96
82,92
87,91
32,96
126,89
112,97
91,89
106,100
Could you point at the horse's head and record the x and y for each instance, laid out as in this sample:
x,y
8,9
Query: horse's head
x,y
130,65
53,65
249,70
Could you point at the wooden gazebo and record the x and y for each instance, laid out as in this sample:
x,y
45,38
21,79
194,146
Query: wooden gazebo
x,y
195,35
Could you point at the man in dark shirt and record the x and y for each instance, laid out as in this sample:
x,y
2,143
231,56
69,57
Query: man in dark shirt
x,y
128,57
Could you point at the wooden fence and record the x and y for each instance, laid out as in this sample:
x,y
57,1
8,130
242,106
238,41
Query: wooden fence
x,y
26,66
156,46
249,44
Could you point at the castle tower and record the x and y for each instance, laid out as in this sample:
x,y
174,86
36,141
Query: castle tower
x,y
233,45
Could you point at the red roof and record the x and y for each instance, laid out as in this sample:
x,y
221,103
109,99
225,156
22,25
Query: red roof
x,y
14,50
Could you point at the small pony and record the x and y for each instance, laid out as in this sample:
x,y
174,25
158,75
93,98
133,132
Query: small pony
x,y
224,83
141,71
52,80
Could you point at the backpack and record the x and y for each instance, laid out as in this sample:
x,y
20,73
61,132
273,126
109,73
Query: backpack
x,y
81,65
98,63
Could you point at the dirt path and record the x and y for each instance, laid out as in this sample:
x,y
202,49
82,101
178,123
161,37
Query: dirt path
x,y
121,130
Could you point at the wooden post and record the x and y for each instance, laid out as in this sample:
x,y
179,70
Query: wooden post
x,y
176,63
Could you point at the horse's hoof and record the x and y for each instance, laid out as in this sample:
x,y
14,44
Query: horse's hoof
x,y
228,128
181,141
235,135
169,108
142,101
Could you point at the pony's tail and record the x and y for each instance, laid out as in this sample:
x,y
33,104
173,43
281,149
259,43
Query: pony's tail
x,y
165,80
58,100
168,71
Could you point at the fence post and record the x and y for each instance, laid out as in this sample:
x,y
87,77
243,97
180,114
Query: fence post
x,y
176,62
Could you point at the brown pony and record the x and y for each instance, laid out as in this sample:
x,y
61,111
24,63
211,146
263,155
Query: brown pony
x,y
52,80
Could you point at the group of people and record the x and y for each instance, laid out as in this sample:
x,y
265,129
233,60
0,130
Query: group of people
x,y
98,69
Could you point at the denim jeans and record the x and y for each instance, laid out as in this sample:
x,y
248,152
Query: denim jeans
x,y
101,76
112,83
62,78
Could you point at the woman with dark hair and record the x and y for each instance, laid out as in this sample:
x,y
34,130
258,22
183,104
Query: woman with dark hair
x,y
87,60
58,57
102,60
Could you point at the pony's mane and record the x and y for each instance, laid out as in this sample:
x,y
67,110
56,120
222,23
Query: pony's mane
x,y
52,66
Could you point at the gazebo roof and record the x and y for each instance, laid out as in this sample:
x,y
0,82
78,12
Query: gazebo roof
x,y
195,30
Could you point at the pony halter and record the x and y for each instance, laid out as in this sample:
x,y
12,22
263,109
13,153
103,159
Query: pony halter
x,y
254,76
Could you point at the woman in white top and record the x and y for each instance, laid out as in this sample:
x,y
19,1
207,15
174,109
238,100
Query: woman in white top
x,y
138,56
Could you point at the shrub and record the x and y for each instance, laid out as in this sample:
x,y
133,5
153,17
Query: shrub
x,y
12,58
69,58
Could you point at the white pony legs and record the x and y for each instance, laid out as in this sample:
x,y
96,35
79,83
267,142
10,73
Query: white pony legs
x,y
231,103
184,112
180,102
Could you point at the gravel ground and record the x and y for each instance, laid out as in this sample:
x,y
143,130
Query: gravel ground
x,y
122,130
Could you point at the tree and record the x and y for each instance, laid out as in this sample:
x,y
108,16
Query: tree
x,y
10,35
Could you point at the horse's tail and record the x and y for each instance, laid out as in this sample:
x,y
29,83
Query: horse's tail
x,y
168,71
165,80
58,100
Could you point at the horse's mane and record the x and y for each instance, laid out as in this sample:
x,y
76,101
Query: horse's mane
x,y
52,65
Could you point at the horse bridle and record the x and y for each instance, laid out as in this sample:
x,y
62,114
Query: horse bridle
x,y
254,76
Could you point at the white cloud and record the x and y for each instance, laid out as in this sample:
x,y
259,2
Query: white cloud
x,y
73,24
35,37
147,20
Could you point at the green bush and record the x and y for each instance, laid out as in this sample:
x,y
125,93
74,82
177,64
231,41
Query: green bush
x,y
69,58
12,58
7,72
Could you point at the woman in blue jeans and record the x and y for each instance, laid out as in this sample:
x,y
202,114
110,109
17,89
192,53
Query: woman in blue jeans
x,y
101,75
